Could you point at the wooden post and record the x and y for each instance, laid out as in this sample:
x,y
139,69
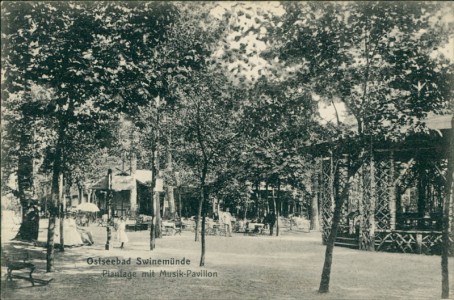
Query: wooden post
x,y
109,207
61,201
179,201
445,223
419,242
361,206
372,201
275,211
392,193
279,203
315,224
331,181
267,199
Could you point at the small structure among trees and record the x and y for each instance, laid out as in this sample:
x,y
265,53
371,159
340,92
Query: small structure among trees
x,y
395,202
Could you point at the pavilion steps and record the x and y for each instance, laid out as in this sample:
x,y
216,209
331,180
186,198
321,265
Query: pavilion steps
x,y
350,242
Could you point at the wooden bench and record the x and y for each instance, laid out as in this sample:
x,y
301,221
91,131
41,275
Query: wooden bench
x,y
18,261
171,228
17,258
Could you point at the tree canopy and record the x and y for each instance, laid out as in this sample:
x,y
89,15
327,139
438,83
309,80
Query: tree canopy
x,y
233,90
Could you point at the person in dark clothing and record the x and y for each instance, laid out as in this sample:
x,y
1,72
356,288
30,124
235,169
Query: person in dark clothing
x,y
34,220
271,220
30,225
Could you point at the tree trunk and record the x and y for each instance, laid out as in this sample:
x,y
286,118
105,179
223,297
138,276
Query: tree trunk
x,y
80,194
179,202
170,189
153,198
108,198
276,214
341,194
202,256
201,205
61,207
53,208
315,224
445,238
171,200
203,211
339,201
446,208
257,191
278,199
25,187
152,231
152,234
197,220
158,231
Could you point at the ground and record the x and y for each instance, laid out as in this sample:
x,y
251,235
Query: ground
x,y
247,267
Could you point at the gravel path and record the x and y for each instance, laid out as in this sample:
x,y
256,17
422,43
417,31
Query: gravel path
x,y
239,267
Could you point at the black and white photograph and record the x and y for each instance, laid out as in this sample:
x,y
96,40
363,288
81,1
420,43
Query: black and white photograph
x,y
227,150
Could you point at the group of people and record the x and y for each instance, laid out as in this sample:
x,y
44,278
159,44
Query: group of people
x,y
225,219
73,235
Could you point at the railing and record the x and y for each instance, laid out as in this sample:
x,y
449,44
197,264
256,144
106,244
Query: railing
x,y
409,241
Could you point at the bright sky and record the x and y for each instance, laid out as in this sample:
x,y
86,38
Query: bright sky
x,y
247,16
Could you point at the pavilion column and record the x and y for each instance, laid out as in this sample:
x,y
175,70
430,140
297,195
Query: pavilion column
x,y
422,189
343,169
331,182
90,196
133,200
392,192
315,224
367,207
372,200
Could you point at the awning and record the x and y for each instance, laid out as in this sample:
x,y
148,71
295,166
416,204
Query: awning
x,y
119,183
144,176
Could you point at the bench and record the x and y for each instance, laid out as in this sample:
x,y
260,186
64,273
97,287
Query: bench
x,y
171,228
18,261
254,229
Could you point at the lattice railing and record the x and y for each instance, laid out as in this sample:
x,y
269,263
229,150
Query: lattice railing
x,y
421,242
392,241
431,243
382,179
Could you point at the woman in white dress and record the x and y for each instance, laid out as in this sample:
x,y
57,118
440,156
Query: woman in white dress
x,y
70,234
121,232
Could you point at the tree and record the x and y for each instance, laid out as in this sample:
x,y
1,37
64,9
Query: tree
x,y
20,147
208,118
154,57
446,207
377,60
63,66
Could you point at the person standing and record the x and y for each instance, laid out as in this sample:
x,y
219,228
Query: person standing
x,y
71,235
227,220
271,220
34,223
121,232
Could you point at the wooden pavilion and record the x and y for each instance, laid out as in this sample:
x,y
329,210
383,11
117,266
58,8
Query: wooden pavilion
x,y
395,201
